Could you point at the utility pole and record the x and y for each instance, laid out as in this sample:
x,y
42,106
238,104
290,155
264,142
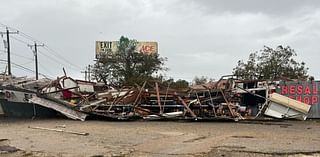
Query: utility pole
x,y
35,53
8,47
87,73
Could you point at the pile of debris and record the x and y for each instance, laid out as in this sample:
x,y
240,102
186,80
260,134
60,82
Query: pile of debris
x,y
227,98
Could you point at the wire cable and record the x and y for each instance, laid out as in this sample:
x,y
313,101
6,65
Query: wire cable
x,y
3,25
26,69
26,63
21,33
55,60
22,56
45,69
24,42
59,56
50,50
54,53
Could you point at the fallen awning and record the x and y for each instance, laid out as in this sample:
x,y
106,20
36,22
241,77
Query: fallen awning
x,y
70,113
284,107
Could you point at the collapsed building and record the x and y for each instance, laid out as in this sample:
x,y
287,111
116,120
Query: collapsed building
x,y
228,98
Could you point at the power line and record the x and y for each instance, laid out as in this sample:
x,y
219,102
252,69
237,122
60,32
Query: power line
x,y
3,25
21,33
17,65
58,56
35,53
26,63
54,53
54,59
25,69
24,42
45,69
29,70
29,37
51,51
8,47
22,56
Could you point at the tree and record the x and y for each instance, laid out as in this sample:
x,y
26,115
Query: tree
x,y
272,64
200,80
311,78
126,66
180,84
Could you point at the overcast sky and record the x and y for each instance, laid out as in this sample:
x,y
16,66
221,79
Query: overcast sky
x,y
199,37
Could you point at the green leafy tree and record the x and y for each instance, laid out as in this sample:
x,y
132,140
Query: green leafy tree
x,y
311,78
200,80
272,63
127,66
179,84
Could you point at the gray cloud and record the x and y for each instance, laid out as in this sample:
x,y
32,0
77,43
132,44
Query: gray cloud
x,y
198,37
271,7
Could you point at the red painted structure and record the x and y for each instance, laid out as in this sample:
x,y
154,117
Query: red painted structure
x,y
305,91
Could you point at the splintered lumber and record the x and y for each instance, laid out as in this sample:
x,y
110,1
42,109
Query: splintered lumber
x,y
60,130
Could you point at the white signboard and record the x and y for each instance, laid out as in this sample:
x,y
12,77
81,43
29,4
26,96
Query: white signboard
x,y
112,46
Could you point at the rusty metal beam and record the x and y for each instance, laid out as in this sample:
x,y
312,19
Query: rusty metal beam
x,y
186,106
139,94
214,111
158,97
228,103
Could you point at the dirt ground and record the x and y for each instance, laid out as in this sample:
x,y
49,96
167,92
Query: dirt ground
x,y
159,138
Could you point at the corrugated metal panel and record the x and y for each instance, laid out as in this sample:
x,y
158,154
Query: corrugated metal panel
x,y
294,104
71,113
280,111
305,91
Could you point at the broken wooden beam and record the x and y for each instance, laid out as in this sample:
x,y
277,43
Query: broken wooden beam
x,y
60,130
